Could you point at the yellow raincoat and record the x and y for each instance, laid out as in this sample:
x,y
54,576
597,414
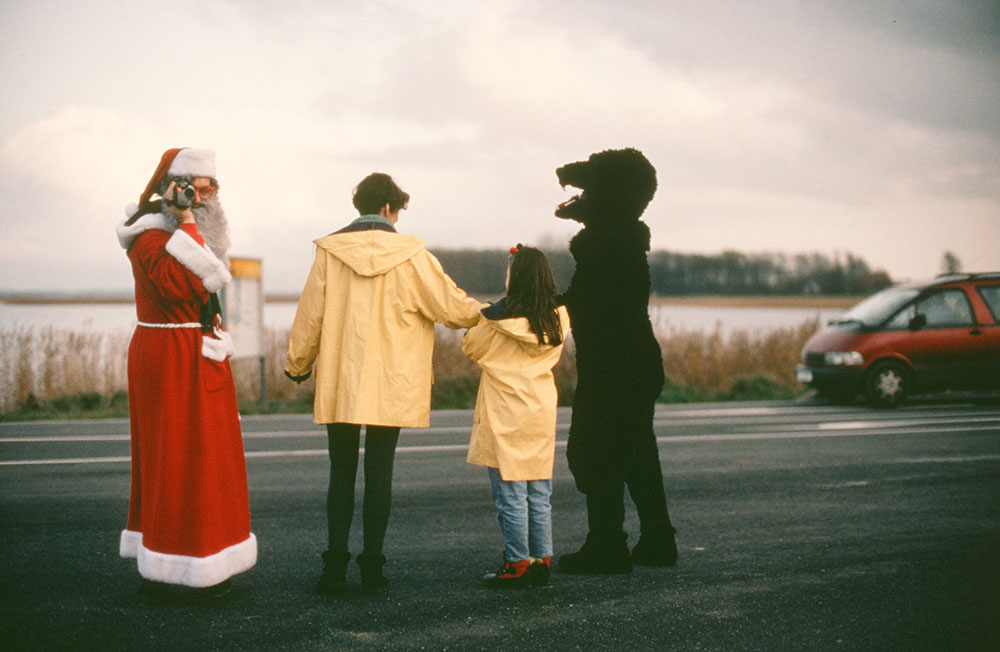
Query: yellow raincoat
x,y
366,318
514,427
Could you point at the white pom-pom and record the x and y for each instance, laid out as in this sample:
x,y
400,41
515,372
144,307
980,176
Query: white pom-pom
x,y
131,210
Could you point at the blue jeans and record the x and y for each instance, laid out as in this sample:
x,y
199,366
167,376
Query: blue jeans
x,y
525,516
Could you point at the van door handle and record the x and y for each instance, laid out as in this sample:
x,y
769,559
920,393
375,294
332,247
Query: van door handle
x,y
976,331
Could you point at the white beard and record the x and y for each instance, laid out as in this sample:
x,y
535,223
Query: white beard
x,y
214,227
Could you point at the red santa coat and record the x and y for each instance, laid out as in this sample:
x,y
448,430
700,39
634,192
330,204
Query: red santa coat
x,y
189,515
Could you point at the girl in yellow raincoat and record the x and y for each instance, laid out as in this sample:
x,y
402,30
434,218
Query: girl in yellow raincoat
x,y
516,343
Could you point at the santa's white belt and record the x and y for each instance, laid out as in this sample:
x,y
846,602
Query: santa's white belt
x,y
190,324
216,348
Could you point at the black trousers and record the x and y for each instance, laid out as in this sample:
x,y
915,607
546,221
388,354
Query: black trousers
x,y
611,448
380,451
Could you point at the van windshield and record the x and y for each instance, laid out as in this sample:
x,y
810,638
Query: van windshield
x,y
877,308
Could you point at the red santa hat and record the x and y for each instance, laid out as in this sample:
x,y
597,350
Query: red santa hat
x,y
176,162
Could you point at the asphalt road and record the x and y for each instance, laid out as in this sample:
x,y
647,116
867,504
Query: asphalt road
x,y
801,527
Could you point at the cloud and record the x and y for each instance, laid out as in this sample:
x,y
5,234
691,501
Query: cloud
x,y
852,120
77,169
548,70
76,150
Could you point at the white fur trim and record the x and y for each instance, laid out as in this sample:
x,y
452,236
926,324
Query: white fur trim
x,y
198,259
191,571
129,544
193,163
217,349
128,234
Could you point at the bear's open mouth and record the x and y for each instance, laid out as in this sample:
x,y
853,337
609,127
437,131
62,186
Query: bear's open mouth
x,y
575,198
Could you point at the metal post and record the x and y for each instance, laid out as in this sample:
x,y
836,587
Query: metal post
x,y
263,389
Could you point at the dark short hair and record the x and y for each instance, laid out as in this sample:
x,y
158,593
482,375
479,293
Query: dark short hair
x,y
375,191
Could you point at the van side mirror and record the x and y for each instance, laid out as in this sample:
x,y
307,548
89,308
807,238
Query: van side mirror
x,y
918,322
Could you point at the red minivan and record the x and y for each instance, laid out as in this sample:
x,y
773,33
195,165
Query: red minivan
x,y
943,333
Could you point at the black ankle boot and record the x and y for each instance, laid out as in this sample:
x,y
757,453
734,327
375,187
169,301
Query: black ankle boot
x,y
655,550
334,576
599,556
372,580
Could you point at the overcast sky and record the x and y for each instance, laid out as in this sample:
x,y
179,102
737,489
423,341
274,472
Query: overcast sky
x,y
839,126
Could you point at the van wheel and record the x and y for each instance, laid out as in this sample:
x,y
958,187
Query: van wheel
x,y
887,383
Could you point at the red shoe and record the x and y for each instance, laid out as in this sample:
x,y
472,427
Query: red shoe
x,y
538,571
512,574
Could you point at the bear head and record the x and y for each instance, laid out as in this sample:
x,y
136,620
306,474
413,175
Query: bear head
x,y
615,185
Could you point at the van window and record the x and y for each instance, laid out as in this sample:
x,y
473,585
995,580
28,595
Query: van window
x,y
902,319
991,295
877,308
947,308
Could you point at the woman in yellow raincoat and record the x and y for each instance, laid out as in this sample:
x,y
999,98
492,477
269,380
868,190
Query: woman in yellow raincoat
x,y
517,342
366,321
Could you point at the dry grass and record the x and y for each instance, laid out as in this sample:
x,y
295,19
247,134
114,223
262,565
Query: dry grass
x,y
39,367
277,388
712,363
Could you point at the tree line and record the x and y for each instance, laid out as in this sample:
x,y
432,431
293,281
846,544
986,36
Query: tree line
x,y
482,272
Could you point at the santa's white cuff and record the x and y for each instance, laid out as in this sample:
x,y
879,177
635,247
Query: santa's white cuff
x,y
129,544
199,260
217,349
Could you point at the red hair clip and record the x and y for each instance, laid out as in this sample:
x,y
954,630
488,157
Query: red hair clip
x,y
515,248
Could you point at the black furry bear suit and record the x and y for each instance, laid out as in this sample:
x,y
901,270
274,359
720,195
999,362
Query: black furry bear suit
x,y
619,364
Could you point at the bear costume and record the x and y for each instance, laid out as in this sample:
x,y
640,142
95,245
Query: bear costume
x,y
619,364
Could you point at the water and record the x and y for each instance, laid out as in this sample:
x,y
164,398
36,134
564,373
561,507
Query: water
x,y
121,317
728,319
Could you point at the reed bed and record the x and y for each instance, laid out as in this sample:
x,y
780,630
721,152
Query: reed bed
x,y
59,372
39,366
743,364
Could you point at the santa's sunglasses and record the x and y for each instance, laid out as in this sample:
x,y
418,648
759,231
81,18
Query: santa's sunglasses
x,y
204,192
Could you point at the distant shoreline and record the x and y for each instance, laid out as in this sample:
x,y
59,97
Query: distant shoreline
x,y
58,298
759,301
723,301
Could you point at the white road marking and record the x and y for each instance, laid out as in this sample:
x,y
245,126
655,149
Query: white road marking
x,y
744,436
318,432
900,423
737,436
67,460
63,438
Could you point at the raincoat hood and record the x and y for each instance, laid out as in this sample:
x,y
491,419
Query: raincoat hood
x,y
371,253
515,328
519,329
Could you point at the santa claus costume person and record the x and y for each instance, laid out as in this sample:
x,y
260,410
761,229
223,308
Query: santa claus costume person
x,y
189,514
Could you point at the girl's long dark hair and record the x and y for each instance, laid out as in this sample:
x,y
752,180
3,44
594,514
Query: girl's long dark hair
x,y
531,293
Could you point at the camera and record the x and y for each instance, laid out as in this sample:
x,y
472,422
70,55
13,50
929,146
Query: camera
x,y
184,194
